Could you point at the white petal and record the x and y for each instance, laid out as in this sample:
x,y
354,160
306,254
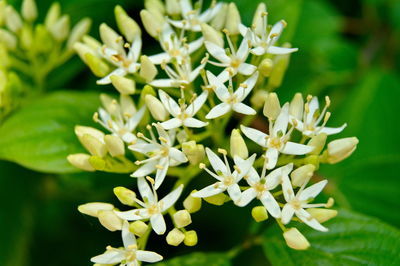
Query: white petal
x,y
177,155
234,192
274,178
209,191
195,106
246,69
134,51
109,257
287,189
296,149
133,215
332,130
270,204
159,58
148,256
247,196
163,134
171,198
161,173
312,222
106,80
243,50
186,7
287,213
272,156
275,31
158,223
313,106
244,165
193,122
243,109
172,107
218,110
145,169
255,135
242,92
217,52
224,75
171,124
193,46
259,50
312,191
128,137
253,177
281,50
144,147
193,75
127,237
282,121
164,83
220,89
217,164
135,119
145,191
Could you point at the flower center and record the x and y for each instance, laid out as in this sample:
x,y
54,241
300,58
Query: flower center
x,y
259,187
235,62
175,52
183,116
153,209
130,255
232,99
296,204
229,180
275,142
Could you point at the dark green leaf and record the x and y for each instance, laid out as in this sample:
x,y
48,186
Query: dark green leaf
x,y
198,259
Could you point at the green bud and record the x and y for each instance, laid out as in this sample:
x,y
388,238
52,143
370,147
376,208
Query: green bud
x,y
60,29
138,228
281,63
29,10
52,15
258,20
194,152
322,215
218,199
81,161
97,163
13,19
154,6
312,159
238,145
175,237
8,39
110,38
192,204
259,213
219,21
152,23
182,218
91,42
43,41
3,6
125,196
26,37
96,65
82,49
258,98
190,238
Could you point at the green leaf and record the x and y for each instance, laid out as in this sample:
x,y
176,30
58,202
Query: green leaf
x,y
352,239
198,259
41,135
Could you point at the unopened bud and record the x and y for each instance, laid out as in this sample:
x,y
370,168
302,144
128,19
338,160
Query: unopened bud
x,y
238,145
125,196
302,174
212,35
147,69
340,149
138,228
154,6
258,20
78,31
8,39
128,27
322,215
156,108
26,38
190,238
297,106
194,152
218,199
13,19
259,213
123,85
91,42
109,220
266,67
258,98
93,145
52,15
272,107
110,38
182,218
60,29
115,145
192,204
81,161
175,237
96,65
82,49
294,239
153,24
29,10
93,208
281,63
172,7
3,6
318,142
219,21
233,19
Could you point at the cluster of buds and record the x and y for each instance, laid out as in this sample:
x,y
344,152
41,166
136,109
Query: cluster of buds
x,y
32,49
179,123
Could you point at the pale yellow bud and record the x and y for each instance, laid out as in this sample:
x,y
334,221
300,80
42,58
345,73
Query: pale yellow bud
x,y
294,239
125,196
302,174
258,98
219,21
173,7
194,152
78,31
60,29
238,145
156,108
147,69
318,142
96,65
82,49
182,218
115,145
8,39
110,38
192,204
26,38
29,10
281,63
265,67
13,19
123,85
128,27
91,42
212,35
322,215
138,228
175,237
272,107
81,161
233,19
258,24
190,238
94,145
52,15
154,6
152,23
259,213
93,208
340,149
80,131
297,106
109,220
218,199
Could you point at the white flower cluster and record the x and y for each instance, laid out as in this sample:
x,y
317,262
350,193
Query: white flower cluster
x,y
195,98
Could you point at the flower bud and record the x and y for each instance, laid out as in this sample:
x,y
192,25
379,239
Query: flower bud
x,y
182,218
212,35
3,6
26,38
110,38
43,39
318,142
138,228
93,208
97,162
265,67
190,238
192,204
109,220
272,107
153,24
127,26
297,106
233,21
91,42
258,20
147,69
93,145
218,199
8,39
60,29
80,131
322,215
156,108
13,19
194,152
219,21
312,159
123,85
302,174
154,6
115,145
96,65
81,161
172,7
52,15
82,49
340,149
78,31
125,196
258,98
281,63
175,237
294,239
238,145
29,10
259,213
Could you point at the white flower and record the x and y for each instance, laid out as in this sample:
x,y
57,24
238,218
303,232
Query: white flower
x,y
124,62
296,204
231,100
192,18
121,118
152,208
311,125
260,188
278,139
183,115
130,255
234,61
227,180
161,154
175,47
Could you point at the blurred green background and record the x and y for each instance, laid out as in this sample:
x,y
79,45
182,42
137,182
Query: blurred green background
x,y
348,50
